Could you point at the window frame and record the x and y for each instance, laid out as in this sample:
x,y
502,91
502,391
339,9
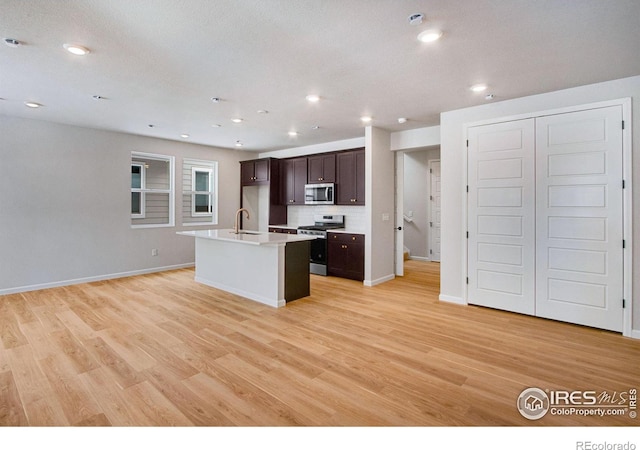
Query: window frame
x,y
200,165
140,190
139,158
195,192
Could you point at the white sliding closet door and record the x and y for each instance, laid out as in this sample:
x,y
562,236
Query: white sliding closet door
x,y
501,216
579,217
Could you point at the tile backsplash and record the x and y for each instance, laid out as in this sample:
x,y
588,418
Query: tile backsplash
x,y
354,216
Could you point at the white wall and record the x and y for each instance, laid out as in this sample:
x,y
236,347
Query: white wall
x,y
65,204
313,149
414,139
453,170
379,199
416,201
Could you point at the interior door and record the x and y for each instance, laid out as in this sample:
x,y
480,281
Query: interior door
x,y
579,214
501,216
399,219
434,210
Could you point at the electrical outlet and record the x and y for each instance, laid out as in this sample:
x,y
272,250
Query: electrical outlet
x,y
154,252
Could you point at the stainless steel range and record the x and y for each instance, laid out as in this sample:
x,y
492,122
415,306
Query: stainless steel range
x,y
322,223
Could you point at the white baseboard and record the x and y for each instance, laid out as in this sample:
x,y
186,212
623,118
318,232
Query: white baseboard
x,y
635,334
419,258
36,287
370,283
451,299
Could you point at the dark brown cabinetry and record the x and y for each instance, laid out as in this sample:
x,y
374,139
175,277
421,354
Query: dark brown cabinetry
x,y
254,172
350,177
283,230
322,168
345,255
261,174
294,177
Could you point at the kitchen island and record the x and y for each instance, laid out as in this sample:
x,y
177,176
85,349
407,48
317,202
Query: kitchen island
x,y
270,268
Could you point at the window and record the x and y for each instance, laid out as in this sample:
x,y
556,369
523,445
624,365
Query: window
x,y
152,199
199,186
137,190
201,203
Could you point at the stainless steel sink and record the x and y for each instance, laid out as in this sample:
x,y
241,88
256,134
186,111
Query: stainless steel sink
x,y
245,232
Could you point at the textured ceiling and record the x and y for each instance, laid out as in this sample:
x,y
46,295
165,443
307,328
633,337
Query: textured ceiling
x,y
159,62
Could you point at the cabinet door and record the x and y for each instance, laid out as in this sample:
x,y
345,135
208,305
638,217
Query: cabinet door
x,y
355,257
336,257
350,178
261,170
322,169
247,171
294,178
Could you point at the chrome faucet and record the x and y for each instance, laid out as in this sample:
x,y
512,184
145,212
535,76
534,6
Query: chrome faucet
x,y
236,226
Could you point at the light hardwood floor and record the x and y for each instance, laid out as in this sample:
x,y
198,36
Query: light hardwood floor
x,y
163,350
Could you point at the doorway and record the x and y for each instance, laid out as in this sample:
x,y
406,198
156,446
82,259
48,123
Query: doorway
x,y
420,203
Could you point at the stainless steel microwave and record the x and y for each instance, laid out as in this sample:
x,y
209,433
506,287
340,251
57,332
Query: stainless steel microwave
x,y
319,194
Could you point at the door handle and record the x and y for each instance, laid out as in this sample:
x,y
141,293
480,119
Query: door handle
x,y
398,229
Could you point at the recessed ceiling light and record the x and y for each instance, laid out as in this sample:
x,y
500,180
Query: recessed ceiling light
x,y
313,98
12,42
366,119
315,127
32,104
489,97
215,99
402,120
76,49
216,125
184,136
237,120
430,35
293,133
478,87
98,97
238,144
262,111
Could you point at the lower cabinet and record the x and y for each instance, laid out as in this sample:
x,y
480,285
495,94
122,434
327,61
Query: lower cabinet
x,y
345,255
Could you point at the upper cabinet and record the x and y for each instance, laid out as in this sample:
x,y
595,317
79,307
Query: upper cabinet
x,y
322,168
260,175
294,177
254,172
350,184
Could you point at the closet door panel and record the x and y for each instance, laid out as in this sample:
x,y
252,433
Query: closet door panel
x,y
579,217
501,208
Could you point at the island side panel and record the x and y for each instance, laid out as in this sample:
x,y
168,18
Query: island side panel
x,y
252,271
297,284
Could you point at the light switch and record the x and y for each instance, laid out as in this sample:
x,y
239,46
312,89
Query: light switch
x,y
385,217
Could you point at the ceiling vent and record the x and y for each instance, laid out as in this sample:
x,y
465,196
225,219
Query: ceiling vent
x,y
416,19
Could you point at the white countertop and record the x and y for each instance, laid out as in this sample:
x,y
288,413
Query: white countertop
x,y
247,237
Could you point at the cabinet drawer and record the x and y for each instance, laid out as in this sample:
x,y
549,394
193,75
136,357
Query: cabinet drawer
x,y
347,238
283,230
